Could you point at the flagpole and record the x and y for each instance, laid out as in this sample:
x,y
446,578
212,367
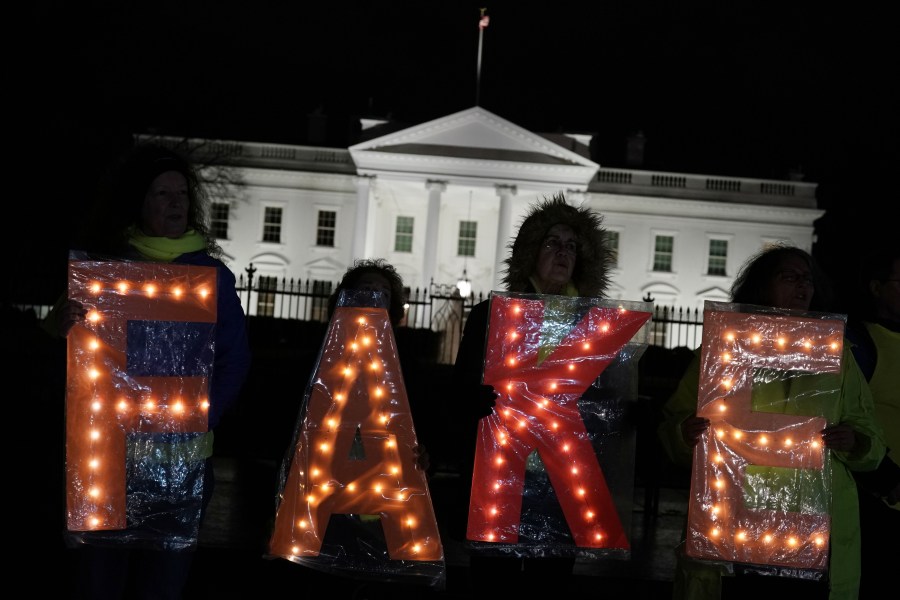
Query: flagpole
x,y
483,21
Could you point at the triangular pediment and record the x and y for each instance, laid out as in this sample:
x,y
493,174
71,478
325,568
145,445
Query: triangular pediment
x,y
472,142
714,293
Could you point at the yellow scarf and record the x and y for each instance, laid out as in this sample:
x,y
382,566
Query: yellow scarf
x,y
165,249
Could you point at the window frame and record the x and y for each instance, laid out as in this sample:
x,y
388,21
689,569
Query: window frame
x,y
406,236
266,292
270,226
462,242
657,254
321,292
217,224
322,230
710,257
614,252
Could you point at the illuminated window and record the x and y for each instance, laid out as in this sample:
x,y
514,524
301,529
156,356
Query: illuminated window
x,y
272,225
321,290
468,231
612,242
718,254
326,228
404,237
265,303
218,222
662,253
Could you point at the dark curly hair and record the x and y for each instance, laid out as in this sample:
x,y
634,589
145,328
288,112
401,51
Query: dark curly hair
x,y
121,199
752,282
380,267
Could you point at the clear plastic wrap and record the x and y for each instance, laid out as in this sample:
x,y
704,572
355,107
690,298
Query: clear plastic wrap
x,y
352,500
554,464
761,476
138,370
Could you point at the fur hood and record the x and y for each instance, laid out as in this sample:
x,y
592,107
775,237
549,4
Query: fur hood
x,y
591,274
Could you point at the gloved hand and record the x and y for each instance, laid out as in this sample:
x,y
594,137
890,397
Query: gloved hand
x,y
72,313
840,437
692,428
64,315
484,400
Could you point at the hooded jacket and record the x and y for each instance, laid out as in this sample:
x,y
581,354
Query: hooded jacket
x,y
591,274
590,278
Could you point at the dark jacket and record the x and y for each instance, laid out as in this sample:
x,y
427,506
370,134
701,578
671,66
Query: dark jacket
x,y
232,357
467,411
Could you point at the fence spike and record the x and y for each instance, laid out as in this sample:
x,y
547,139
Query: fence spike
x,y
668,331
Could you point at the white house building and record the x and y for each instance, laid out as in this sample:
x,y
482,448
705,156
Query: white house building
x,y
441,200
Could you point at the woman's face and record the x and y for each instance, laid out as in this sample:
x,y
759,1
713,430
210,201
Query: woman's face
x,y
556,259
166,203
792,284
374,282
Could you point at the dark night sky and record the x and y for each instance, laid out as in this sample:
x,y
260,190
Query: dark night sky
x,y
730,88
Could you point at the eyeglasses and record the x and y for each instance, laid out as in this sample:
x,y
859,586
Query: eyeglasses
x,y
557,245
796,277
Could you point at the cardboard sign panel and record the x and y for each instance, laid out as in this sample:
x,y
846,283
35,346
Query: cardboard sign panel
x,y
138,371
760,486
353,470
543,353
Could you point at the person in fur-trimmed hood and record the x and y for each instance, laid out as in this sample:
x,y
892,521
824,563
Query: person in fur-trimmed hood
x,y
559,249
556,233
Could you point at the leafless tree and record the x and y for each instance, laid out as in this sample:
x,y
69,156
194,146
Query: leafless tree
x,y
216,161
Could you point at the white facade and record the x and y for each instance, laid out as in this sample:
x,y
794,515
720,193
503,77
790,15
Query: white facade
x,y
476,166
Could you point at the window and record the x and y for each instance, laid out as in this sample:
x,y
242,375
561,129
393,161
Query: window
x,y
218,221
265,302
467,233
612,242
658,332
272,225
404,236
321,291
662,253
326,228
718,254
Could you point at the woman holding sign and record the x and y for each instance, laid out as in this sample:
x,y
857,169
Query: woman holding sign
x,y
152,212
559,250
786,278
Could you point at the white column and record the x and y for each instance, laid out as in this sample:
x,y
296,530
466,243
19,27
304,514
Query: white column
x,y
359,248
432,228
504,231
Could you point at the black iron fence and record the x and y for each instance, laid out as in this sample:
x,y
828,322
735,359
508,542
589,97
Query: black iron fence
x,y
439,309
673,327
